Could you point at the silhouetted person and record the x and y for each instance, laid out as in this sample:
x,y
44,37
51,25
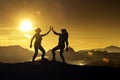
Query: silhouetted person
x,y
37,43
63,38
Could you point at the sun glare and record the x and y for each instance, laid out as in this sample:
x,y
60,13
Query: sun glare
x,y
26,26
27,36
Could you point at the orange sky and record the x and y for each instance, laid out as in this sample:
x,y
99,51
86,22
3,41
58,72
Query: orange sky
x,y
90,23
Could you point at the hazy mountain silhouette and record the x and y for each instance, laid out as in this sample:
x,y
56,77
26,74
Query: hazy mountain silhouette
x,y
110,48
91,57
69,55
97,65
13,54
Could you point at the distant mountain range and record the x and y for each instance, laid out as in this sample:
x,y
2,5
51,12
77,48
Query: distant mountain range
x,y
14,54
105,56
111,48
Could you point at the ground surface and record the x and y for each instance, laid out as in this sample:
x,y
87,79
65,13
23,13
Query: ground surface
x,y
48,70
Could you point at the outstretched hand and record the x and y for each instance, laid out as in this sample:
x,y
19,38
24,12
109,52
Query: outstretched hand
x,y
51,27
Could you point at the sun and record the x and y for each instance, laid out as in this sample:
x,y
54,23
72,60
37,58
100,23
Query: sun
x,y
26,25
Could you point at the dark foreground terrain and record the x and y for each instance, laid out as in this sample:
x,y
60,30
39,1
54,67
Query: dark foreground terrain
x,y
48,70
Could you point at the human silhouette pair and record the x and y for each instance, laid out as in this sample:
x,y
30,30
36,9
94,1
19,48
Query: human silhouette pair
x,y
62,43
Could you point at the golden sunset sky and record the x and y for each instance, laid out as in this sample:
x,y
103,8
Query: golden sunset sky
x,y
90,23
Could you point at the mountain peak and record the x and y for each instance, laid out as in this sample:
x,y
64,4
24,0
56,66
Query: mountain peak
x,y
71,49
14,53
112,48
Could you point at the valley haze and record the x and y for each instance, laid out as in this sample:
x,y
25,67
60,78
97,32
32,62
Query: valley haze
x,y
109,56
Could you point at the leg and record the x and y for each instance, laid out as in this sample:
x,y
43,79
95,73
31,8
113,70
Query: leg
x,y
61,55
43,52
35,55
53,52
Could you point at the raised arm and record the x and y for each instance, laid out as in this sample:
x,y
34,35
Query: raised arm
x,y
46,33
55,32
32,41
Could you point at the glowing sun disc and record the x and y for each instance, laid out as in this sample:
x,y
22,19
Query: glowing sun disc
x,y
26,26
